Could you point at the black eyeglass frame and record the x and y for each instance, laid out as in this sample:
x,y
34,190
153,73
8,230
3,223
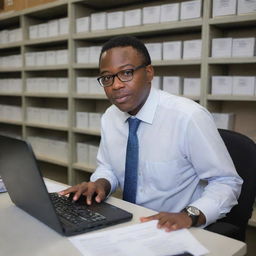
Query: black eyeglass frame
x,y
116,75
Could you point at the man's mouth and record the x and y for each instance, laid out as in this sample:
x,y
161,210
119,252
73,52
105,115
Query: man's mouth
x,y
121,99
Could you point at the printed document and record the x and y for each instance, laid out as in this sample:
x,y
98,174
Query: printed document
x,y
143,239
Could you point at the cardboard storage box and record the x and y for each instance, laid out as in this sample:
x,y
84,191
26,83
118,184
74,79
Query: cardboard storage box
x,y
222,47
32,3
223,7
222,85
11,5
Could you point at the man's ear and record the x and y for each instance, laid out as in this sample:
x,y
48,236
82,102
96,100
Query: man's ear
x,y
150,73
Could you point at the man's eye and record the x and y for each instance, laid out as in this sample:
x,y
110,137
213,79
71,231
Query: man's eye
x,y
127,72
106,78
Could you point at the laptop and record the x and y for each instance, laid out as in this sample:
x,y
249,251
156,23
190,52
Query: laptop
x,y
25,185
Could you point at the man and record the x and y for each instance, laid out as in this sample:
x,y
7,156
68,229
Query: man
x,y
184,170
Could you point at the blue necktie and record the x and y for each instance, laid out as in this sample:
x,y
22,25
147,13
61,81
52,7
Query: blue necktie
x,y
131,164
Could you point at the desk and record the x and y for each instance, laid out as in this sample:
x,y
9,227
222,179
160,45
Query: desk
x,y
23,235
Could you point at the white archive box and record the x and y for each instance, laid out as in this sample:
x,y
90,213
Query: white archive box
x,y
40,58
246,6
224,7
222,85
53,86
53,27
82,150
172,84
190,9
94,120
83,24
170,12
63,26
222,47
15,35
191,86
151,14
4,36
62,83
82,85
61,57
11,36
192,49
33,32
133,17
98,21
155,50
82,120
243,47
172,50
43,30
115,20
93,151
224,120
94,54
94,86
30,59
50,58
243,85
82,54
156,82
42,85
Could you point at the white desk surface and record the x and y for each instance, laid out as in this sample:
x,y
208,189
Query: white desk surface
x,y
23,235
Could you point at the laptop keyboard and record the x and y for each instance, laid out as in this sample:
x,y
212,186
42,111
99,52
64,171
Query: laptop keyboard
x,y
74,212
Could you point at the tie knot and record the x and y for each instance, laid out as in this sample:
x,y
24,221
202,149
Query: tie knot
x,y
133,124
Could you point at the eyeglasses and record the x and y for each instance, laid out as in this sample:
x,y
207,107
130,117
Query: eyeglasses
x,y
123,75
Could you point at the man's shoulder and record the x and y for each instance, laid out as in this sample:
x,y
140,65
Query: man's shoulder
x,y
178,103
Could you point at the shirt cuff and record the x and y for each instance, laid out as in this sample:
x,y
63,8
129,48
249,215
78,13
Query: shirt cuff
x,y
210,212
111,180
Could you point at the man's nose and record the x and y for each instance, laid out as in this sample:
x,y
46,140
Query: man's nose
x,y
117,84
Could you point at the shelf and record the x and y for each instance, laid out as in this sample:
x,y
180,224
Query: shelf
x,y
11,94
11,45
51,160
49,40
46,126
231,98
10,70
252,220
55,67
234,20
164,63
145,30
241,60
85,66
46,95
86,131
11,122
90,96
84,167
159,63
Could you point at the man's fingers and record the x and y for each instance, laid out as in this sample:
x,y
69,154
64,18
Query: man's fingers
x,y
100,196
68,191
149,218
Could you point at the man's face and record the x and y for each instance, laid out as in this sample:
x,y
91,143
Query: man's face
x,y
127,96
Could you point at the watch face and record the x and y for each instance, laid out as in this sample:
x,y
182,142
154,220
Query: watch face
x,y
193,210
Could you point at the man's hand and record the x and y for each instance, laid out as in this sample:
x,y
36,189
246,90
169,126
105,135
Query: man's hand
x,y
100,189
170,221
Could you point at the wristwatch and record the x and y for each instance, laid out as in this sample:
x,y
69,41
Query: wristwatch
x,y
193,213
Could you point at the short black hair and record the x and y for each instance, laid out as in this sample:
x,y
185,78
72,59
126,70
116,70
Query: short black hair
x,y
123,41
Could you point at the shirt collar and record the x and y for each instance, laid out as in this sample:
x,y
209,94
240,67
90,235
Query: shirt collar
x,y
147,112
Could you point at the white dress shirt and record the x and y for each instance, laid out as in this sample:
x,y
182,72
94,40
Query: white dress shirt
x,y
182,158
